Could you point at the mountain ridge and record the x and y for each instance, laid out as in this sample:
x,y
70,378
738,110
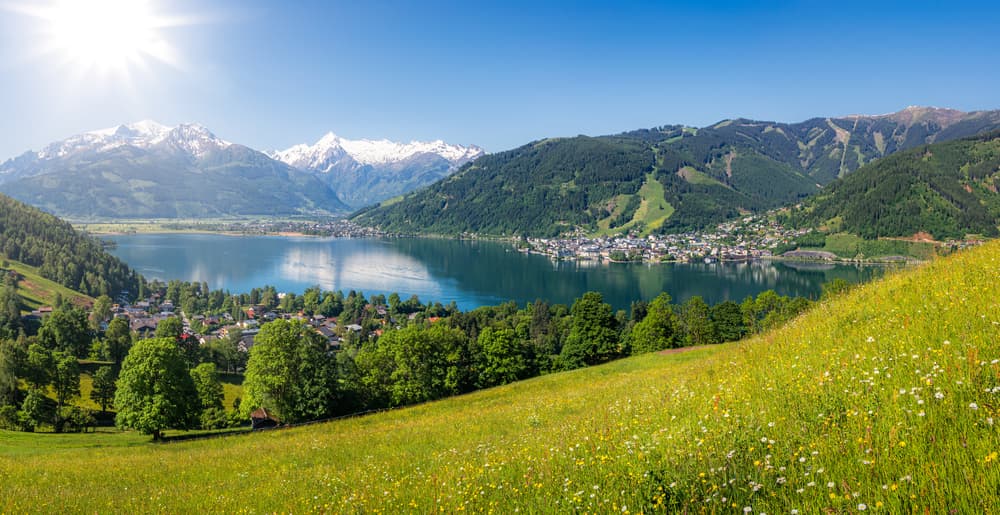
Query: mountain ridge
x,y
147,169
708,174
364,172
948,189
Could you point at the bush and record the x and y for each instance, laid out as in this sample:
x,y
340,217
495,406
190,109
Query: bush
x,y
9,419
76,419
214,418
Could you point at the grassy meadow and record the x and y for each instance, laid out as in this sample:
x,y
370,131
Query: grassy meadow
x,y
883,400
37,291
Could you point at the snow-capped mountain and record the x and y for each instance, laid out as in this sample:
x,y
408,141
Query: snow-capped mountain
x,y
191,138
146,169
331,148
367,171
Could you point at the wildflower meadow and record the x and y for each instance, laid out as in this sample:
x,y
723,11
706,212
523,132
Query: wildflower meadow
x,y
884,400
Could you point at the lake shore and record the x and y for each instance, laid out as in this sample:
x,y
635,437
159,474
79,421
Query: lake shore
x,y
471,273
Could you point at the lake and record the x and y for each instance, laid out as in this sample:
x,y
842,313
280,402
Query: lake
x,y
470,273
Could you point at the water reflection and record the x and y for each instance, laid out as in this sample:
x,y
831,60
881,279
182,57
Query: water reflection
x,y
468,273
382,269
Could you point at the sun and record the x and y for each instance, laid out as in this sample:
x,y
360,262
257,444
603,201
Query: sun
x,y
103,36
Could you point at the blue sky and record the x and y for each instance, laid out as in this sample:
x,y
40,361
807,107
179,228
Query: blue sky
x,y
500,74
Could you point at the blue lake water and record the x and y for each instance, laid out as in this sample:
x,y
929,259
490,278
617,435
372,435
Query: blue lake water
x,y
471,273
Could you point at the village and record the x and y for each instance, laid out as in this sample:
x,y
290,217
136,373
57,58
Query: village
x,y
748,238
145,316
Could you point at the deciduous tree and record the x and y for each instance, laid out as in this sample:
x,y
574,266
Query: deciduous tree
x,y
119,339
290,373
206,382
658,329
503,358
593,337
103,392
155,390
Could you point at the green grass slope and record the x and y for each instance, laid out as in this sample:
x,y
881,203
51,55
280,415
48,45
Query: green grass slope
x,y
37,291
883,400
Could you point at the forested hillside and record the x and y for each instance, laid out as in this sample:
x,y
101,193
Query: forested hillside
x,y
36,238
946,189
545,187
669,178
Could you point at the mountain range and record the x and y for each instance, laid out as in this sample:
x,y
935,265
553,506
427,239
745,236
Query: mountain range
x,y
146,169
364,172
946,190
667,178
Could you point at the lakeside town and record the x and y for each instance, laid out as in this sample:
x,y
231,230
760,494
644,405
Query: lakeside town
x,y
751,237
747,238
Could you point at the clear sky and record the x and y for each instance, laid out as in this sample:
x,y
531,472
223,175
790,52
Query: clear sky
x,y
270,74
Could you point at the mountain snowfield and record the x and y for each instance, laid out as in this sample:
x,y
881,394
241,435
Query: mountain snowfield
x,y
191,138
318,157
365,172
141,155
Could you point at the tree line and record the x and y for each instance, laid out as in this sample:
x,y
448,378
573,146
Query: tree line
x,y
405,352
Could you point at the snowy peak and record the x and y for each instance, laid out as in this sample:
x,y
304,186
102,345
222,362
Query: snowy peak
x,y
385,151
355,172
331,150
190,138
194,139
147,129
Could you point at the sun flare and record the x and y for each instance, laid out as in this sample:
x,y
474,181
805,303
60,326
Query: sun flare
x,y
103,36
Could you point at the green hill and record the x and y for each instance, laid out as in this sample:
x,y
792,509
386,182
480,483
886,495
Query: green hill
x,y
946,189
556,186
57,252
36,291
883,399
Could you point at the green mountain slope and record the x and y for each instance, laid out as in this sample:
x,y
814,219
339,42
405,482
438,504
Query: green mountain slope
x,y
59,253
130,182
946,189
36,291
880,400
553,185
707,175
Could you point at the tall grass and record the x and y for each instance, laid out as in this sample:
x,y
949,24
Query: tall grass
x,y
883,400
